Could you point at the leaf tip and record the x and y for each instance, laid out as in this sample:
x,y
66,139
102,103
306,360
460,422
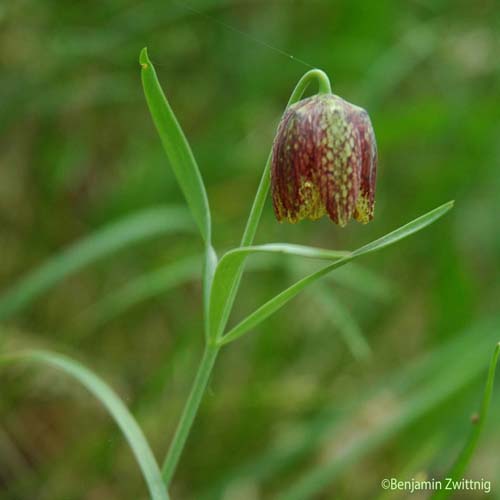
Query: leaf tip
x,y
144,58
446,207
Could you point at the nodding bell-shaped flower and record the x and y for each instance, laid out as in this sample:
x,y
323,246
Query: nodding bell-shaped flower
x,y
324,161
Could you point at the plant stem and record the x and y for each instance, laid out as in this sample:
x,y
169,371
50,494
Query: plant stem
x,y
209,264
189,412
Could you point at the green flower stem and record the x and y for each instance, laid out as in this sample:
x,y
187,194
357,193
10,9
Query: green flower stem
x,y
189,413
212,348
209,265
263,189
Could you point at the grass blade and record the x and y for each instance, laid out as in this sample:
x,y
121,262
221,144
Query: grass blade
x,y
353,276
457,471
108,398
100,244
364,281
144,287
233,260
341,318
282,298
176,147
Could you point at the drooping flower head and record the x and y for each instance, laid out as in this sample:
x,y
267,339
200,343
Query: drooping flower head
x,y
324,161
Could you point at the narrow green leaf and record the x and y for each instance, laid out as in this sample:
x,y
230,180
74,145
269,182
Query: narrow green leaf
x,y
406,230
115,406
354,276
364,281
232,261
282,298
100,244
339,316
457,471
141,289
176,146
277,302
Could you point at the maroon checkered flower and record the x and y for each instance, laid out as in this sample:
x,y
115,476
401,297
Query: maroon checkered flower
x,y
324,161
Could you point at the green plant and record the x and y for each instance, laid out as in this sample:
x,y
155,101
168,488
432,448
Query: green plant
x,y
478,420
221,276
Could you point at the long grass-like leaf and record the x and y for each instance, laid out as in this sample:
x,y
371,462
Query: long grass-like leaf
x,y
176,147
338,315
115,406
232,261
149,286
364,281
354,276
142,288
100,244
282,298
457,471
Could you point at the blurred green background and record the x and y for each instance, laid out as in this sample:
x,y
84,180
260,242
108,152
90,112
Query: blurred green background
x,y
374,372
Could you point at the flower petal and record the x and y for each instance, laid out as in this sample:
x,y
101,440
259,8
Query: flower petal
x,y
365,205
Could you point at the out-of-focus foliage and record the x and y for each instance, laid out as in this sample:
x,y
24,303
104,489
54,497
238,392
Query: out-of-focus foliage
x,y
289,405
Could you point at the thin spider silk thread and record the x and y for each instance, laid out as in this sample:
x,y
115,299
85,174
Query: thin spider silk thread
x,y
244,34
